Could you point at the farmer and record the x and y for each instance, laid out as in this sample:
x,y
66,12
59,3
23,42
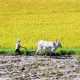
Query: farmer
x,y
18,46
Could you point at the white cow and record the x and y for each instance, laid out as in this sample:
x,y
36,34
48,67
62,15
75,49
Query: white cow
x,y
43,45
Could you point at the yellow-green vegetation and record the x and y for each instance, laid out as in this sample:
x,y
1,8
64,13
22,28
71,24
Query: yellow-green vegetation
x,y
33,20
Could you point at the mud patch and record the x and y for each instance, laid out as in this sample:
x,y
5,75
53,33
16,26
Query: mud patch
x,y
38,68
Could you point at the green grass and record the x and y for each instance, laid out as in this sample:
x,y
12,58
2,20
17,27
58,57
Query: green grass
x,y
11,51
7,51
31,51
68,51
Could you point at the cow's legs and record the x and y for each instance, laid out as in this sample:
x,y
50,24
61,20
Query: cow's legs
x,y
38,49
52,52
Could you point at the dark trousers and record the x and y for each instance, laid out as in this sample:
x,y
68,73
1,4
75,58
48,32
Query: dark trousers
x,y
18,52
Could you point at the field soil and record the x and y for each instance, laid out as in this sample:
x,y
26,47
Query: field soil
x,y
39,68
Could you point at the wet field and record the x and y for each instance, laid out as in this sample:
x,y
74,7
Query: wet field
x,y
38,68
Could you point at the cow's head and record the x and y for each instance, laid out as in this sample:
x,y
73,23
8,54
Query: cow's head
x,y
57,44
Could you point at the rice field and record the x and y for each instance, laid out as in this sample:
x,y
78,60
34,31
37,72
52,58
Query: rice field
x,y
33,20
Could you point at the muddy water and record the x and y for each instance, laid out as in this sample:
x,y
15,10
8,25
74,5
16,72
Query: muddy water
x,y
38,68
